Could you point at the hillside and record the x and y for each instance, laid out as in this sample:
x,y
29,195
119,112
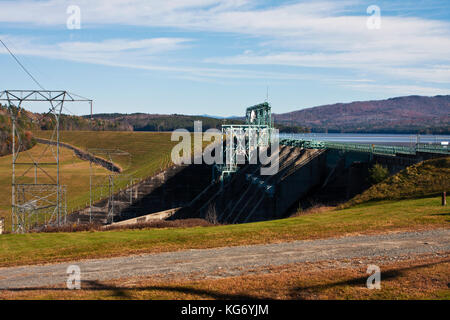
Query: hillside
x,y
149,153
160,122
411,114
28,121
423,179
165,122
25,125
39,121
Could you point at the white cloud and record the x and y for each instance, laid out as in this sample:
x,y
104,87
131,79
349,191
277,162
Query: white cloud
x,y
129,12
320,34
142,54
399,90
151,46
405,47
102,52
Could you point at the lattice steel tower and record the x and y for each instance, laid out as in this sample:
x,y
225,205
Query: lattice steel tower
x,y
41,201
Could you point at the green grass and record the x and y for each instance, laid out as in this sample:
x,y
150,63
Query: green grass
x,y
149,153
426,178
74,174
19,249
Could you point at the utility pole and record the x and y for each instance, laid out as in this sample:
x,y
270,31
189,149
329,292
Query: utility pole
x,y
57,172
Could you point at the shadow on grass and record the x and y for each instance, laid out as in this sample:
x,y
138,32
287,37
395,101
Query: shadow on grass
x,y
386,199
359,281
297,293
124,292
445,214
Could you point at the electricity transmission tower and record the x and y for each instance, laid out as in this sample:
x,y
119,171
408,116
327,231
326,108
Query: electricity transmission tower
x,y
41,201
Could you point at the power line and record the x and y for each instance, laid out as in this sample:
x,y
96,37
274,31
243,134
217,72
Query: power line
x,y
71,113
37,82
23,67
78,96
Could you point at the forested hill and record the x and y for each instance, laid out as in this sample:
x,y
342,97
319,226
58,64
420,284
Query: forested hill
x,y
27,122
162,122
24,128
411,114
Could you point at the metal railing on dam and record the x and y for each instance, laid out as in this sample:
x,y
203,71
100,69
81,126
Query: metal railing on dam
x,y
368,148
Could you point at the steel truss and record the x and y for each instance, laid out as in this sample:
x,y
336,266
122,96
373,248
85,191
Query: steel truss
x,y
260,114
105,187
34,205
244,141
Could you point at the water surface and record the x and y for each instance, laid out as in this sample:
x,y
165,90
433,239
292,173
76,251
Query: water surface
x,y
388,139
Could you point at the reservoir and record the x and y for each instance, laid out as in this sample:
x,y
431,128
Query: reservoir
x,y
388,139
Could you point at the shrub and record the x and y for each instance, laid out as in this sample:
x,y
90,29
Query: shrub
x,y
427,178
156,224
378,173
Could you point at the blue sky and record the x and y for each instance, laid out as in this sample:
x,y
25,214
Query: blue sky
x,y
218,57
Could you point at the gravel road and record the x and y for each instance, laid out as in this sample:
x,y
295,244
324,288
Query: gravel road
x,y
230,261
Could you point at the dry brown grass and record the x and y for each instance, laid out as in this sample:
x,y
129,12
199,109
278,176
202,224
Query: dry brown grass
x,y
157,224
70,228
425,277
318,208
181,223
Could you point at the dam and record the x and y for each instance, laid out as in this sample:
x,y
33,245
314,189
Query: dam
x,y
309,171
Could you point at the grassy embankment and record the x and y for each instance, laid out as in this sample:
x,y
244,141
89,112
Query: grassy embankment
x,y
423,179
150,152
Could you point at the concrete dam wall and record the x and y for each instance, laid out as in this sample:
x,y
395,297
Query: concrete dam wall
x,y
305,177
250,196
174,187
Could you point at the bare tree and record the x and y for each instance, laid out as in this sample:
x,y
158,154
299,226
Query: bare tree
x,y
211,214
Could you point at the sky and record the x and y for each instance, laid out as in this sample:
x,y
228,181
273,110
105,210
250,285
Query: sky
x,y
218,57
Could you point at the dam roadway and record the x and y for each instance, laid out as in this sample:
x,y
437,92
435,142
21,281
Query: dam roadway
x,y
232,261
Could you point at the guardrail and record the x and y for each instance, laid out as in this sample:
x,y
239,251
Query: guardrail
x,y
367,148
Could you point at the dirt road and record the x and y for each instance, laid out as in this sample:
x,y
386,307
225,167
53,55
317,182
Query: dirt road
x,y
231,261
